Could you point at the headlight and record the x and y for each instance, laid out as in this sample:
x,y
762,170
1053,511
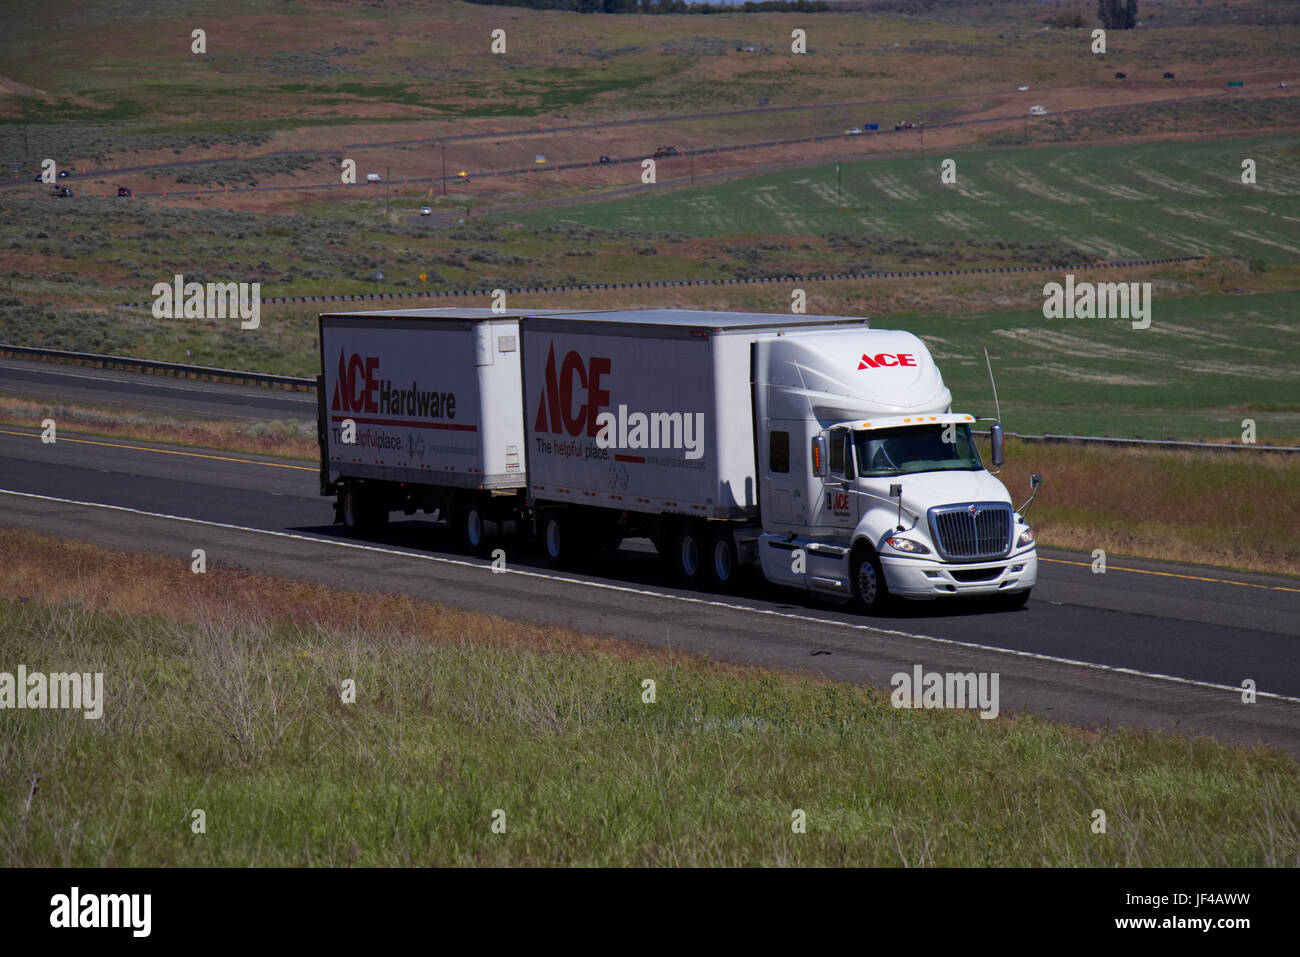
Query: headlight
x,y
1026,538
907,545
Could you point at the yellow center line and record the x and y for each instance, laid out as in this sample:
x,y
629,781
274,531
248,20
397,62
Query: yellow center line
x,y
1194,578
196,455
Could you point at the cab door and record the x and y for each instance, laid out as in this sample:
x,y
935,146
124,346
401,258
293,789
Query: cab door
x,y
840,504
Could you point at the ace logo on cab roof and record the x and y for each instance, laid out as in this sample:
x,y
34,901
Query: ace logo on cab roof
x,y
886,359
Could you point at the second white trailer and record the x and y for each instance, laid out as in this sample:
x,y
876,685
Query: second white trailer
x,y
645,415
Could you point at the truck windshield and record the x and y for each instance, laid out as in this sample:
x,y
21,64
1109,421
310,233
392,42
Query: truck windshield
x,y
917,448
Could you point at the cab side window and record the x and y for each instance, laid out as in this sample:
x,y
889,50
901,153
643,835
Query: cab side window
x,y
778,452
842,453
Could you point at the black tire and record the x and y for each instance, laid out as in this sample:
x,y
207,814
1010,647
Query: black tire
x,y
691,556
1016,599
474,529
564,538
867,579
359,512
724,566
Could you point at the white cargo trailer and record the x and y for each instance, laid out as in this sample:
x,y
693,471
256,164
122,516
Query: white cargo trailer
x,y
647,414
419,409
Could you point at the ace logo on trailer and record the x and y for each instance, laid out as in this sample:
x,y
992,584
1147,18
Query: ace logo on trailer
x,y
355,388
359,389
555,411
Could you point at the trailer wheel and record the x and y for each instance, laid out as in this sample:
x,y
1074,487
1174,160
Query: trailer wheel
x,y
870,593
475,529
724,566
692,554
562,538
354,511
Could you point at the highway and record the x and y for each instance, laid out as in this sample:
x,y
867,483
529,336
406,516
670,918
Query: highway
x,y
49,381
1146,645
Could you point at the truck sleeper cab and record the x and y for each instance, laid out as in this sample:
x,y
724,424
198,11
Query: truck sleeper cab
x,y
873,486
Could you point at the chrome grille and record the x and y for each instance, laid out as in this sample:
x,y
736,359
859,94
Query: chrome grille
x,y
972,531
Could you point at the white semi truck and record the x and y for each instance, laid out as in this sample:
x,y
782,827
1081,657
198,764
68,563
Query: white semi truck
x,y
815,448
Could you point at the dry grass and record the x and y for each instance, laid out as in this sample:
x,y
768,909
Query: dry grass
x,y
290,439
49,571
1240,510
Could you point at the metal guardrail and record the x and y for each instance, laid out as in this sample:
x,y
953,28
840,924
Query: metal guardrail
x,y
131,364
1191,444
826,277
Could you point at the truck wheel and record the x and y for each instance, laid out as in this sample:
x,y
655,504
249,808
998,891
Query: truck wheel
x,y
562,538
475,529
724,566
355,511
870,593
692,555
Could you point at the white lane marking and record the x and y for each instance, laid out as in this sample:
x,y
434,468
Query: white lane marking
x,y
161,385
1115,669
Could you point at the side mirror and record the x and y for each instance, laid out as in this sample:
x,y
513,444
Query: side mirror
x,y
1035,480
821,462
998,442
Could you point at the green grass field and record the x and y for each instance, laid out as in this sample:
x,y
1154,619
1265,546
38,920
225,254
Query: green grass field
x,y
226,696
1204,365
1130,201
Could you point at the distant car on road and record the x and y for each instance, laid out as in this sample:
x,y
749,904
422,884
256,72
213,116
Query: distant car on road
x,y
904,125
1022,89
63,173
426,210
124,191
667,151
1121,76
604,160
1037,111
853,132
1169,76
374,178
60,192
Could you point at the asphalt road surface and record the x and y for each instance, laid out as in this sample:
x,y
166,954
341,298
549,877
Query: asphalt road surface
x,y
1147,644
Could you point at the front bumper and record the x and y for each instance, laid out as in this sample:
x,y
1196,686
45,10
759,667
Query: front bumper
x,y
929,578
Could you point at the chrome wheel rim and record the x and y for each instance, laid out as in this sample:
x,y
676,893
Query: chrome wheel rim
x,y
867,582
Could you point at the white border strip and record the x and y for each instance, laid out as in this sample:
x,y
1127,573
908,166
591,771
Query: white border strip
x,y
952,642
